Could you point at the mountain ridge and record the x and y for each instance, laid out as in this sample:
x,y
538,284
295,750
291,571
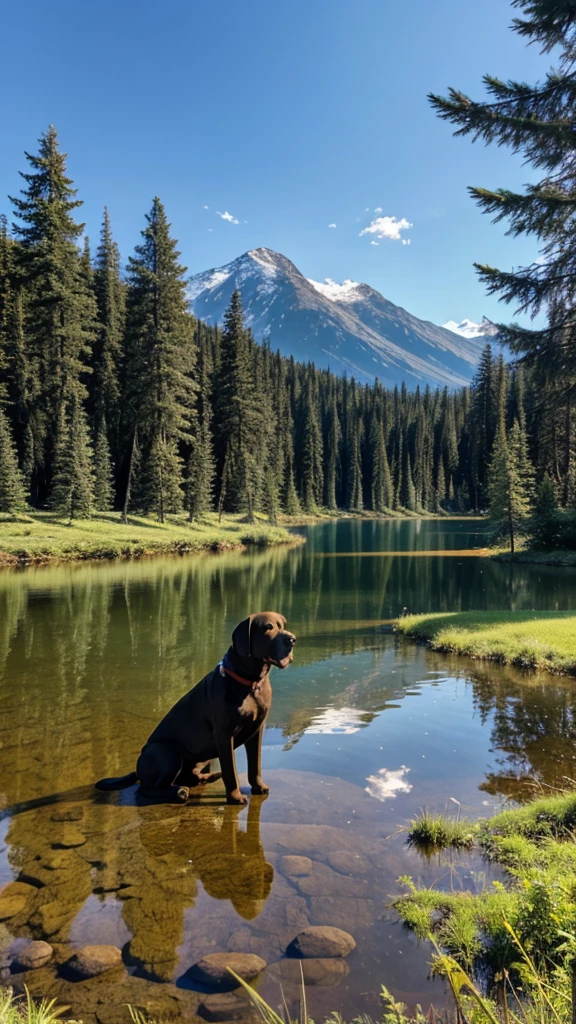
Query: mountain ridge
x,y
350,326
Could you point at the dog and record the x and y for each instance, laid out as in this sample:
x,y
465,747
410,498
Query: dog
x,y
225,710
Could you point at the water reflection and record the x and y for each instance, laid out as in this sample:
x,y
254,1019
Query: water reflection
x,y
364,730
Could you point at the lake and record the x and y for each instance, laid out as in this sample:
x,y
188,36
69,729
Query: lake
x,y
365,730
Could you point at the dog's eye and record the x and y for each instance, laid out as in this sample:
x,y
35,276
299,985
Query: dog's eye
x,y
269,625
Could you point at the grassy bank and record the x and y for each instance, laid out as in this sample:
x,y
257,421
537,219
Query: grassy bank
x,y
531,913
525,556
529,639
43,537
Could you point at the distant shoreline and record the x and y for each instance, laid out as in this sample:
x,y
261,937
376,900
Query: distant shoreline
x,y
41,538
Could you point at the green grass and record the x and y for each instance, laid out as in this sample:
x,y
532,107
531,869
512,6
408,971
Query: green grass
x,y
536,845
441,830
42,536
529,639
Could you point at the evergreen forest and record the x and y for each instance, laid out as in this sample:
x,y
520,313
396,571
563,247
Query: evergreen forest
x,y
113,396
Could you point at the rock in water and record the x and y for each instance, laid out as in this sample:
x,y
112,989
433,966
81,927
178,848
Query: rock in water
x,y
326,972
93,960
35,954
320,941
293,865
225,1006
213,970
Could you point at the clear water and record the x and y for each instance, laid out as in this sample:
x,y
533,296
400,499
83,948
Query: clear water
x,y
364,731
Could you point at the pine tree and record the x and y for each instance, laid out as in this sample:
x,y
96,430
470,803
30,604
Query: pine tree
x,y
107,353
200,474
160,364
271,503
236,415
311,451
537,122
72,492
103,477
510,483
546,522
410,502
382,490
161,483
12,490
60,307
333,438
483,416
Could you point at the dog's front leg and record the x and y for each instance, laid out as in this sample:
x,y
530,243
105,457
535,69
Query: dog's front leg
x,y
253,758
225,748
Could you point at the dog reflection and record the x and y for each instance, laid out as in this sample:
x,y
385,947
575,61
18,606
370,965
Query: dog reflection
x,y
207,845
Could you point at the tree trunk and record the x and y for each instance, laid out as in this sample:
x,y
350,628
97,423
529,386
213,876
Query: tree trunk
x,y
129,480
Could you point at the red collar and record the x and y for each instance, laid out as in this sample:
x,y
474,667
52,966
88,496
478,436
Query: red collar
x,y
254,684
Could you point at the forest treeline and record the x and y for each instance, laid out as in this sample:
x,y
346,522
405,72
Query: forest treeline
x,y
113,396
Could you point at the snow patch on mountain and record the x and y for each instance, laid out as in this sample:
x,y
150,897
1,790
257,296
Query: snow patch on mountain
x,y
345,292
209,281
466,328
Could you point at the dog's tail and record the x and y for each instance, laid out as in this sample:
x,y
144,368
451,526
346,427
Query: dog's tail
x,y
122,782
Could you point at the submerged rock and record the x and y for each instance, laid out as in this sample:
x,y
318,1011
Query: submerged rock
x,y
295,865
35,954
326,972
319,941
90,961
225,1006
213,970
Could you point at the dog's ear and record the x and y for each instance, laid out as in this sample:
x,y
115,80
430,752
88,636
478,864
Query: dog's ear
x,y
241,637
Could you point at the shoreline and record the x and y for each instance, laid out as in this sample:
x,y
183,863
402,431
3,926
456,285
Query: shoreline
x,y
544,641
562,559
40,538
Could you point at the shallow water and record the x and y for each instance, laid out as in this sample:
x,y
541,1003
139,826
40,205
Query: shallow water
x,y
364,731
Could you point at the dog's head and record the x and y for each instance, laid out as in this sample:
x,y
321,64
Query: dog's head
x,y
264,637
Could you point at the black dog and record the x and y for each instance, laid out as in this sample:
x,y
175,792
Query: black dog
x,y
224,710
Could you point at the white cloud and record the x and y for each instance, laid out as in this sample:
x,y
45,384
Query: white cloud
x,y
228,216
374,243
210,229
388,227
366,209
331,225
206,207
386,783
343,721
378,209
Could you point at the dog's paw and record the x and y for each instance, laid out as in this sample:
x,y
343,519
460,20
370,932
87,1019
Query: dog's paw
x,y
259,789
237,798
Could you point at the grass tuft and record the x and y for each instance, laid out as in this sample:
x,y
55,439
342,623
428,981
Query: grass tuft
x,y
440,830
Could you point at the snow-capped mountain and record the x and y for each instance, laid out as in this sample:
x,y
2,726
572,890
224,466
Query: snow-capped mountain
x,y
468,329
348,327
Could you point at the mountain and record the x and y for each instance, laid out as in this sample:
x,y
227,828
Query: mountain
x,y
348,327
468,329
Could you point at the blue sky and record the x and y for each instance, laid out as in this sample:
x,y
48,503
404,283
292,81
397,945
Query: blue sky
x,y
289,116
